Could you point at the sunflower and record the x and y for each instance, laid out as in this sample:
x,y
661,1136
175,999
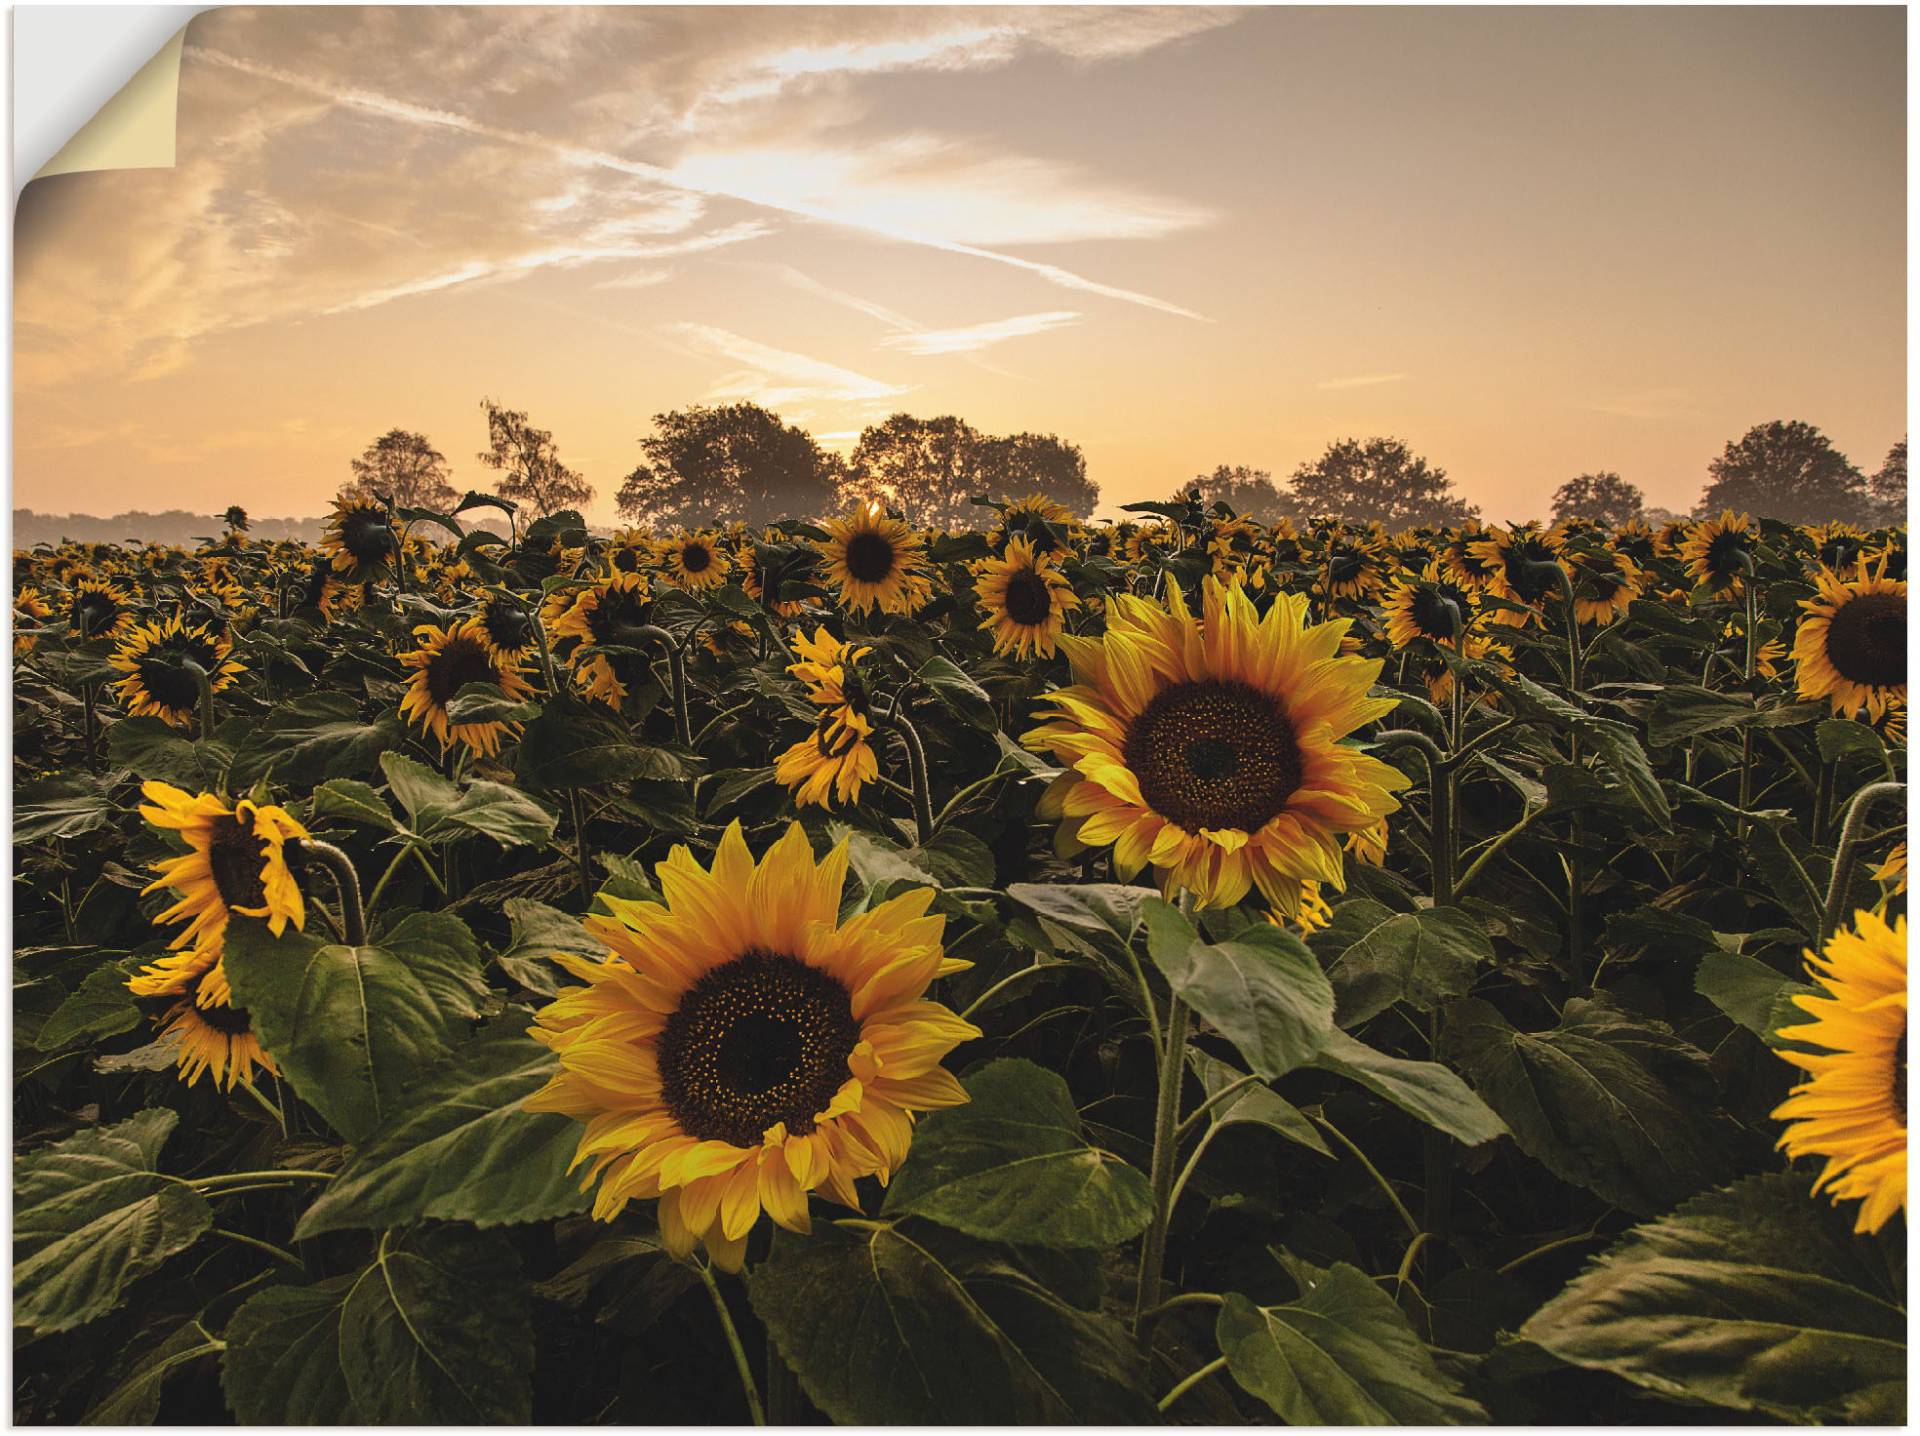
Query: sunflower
x,y
1521,564
1634,539
1852,645
359,537
876,561
1429,606
154,658
236,862
1315,912
743,1047
1210,748
101,608
1893,872
1852,1110
1046,524
507,630
28,607
1355,568
833,763
1026,599
1836,545
628,551
605,612
693,560
1369,845
1605,584
445,662
210,1033
1462,560
1718,553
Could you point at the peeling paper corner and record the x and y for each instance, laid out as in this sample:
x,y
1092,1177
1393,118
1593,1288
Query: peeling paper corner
x,y
135,129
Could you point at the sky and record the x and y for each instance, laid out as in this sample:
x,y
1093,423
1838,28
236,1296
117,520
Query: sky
x,y
1530,242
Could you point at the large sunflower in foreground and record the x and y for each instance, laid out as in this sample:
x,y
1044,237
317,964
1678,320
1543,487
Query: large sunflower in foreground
x,y
359,540
833,764
1853,1108
1210,747
876,561
744,1047
1852,645
236,862
1026,599
445,662
158,684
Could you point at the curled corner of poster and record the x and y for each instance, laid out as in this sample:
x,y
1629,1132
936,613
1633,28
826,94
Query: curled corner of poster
x,y
134,129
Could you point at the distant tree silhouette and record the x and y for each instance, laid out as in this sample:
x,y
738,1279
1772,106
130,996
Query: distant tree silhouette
x,y
1249,492
531,472
404,467
927,468
735,462
1022,464
1786,470
1602,498
1889,487
1380,480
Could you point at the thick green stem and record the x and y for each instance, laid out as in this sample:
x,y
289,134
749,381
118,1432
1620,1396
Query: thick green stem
x,y
917,771
1153,1250
1217,1364
1844,855
578,811
353,917
740,1363
1406,1217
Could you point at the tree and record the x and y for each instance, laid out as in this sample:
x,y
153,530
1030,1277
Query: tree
x,y
1381,480
532,474
1889,487
735,462
1250,493
927,468
1602,498
1789,471
404,467
1022,464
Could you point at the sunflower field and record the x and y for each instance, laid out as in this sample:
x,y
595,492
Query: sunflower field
x,y
1181,970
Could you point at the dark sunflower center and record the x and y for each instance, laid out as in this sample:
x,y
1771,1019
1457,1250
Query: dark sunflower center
x,y
365,535
759,1040
94,612
1839,551
1900,1076
1437,612
507,627
626,560
869,556
459,662
1723,554
1867,640
1530,569
696,558
1345,567
1029,601
234,855
1214,754
615,611
224,1018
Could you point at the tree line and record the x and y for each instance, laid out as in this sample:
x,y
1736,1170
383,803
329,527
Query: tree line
x,y
714,464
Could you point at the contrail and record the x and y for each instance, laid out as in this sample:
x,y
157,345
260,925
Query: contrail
x,y
600,159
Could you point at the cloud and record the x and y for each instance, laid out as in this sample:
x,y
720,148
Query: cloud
x,y
976,337
1361,381
773,377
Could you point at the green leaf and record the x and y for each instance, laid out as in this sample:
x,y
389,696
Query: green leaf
x,y
282,1365
1012,1165
570,746
135,1401
1605,1100
60,808
148,748
1261,990
488,703
1376,957
910,1324
540,931
1779,853
1341,1355
1425,1090
352,801
311,738
1682,710
967,700
353,1028
463,1149
91,1214
1099,920
1745,989
1255,1104
1756,1298
1841,737
100,1007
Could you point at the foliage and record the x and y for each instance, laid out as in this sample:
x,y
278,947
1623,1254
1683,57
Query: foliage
x,y
531,472
405,469
1787,470
1376,481
731,463
1600,498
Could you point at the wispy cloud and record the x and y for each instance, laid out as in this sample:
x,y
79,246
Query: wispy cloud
x,y
773,376
975,337
1360,381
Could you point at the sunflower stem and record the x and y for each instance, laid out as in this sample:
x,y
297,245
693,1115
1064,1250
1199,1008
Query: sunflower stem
x,y
91,722
353,917
917,771
579,813
1173,1066
733,1343
1217,1364
1843,857
1746,735
1406,1217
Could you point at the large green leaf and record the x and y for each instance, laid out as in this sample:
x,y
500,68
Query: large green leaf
x,y
1682,710
540,931
1097,920
1745,989
91,1214
1757,1297
967,700
1605,1100
135,1399
282,1365
314,737
353,1028
462,1148
1254,1104
438,811
571,746
1426,1090
1261,989
910,1324
148,748
1341,1355
60,808
1377,957
1012,1165
100,1007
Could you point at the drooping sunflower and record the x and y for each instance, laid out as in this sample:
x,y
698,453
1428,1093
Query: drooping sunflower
x,y
158,683
236,862
831,765
1851,648
1026,598
29,606
693,560
101,608
1046,524
604,612
1521,565
359,537
1355,567
1605,583
445,662
1718,552
1634,539
628,551
743,1047
1853,1108
1428,606
1463,562
507,630
1836,545
1210,746
876,561
210,1034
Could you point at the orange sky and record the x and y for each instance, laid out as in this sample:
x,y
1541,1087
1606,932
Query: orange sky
x,y
1530,242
